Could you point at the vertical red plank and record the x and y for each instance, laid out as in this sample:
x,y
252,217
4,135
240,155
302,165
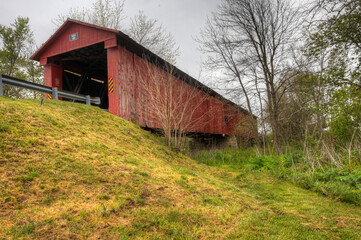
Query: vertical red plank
x,y
138,92
53,76
113,72
120,69
126,83
141,105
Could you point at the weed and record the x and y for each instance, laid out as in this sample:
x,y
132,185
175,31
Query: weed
x,y
27,178
24,229
33,175
144,174
123,232
105,197
164,202
4,127
104,211
31,168
132,161
9,155
188,172
216,201
140,202
48,201
83,214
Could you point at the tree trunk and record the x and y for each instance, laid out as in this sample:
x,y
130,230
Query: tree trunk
x,y
275,124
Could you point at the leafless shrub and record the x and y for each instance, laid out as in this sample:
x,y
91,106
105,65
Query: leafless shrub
x,y
171,104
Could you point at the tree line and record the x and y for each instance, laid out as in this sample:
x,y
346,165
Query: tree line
x,y
295,65
17,46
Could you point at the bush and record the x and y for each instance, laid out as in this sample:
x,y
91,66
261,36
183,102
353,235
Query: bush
x,y
303,180
262,163
338,190
293,158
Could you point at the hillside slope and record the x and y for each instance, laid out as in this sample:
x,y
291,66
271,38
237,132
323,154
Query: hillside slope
x,y
69,170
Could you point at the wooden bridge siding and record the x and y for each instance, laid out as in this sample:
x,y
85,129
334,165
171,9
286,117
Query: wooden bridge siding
x,y
141,99
53,76
113,59
233,117
126,83
211,111
87,36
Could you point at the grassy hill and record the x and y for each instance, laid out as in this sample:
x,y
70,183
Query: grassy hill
x,y
71,171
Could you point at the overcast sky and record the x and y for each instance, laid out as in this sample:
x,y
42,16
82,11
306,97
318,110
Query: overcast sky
x,y
183,18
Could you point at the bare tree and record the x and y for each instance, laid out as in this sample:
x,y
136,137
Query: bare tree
x,y
250,40
148,33
172,105
105,13
225,56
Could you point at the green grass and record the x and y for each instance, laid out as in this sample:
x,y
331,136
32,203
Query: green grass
x,y
339,183
73,171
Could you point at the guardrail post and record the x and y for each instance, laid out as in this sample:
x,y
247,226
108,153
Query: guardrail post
x,y
55,93
87,99
96,100
1,85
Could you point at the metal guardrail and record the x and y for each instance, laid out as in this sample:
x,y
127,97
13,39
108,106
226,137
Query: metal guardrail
x,y
15,82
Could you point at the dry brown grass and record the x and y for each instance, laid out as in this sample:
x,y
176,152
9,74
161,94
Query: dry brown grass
x,y
71,171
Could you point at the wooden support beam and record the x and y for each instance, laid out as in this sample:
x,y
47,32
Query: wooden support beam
x,y
67,81
80,82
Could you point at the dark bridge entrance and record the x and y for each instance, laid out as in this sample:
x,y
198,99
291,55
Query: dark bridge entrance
x,y
85,71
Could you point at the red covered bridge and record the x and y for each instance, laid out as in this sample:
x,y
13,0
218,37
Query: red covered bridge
x,y
106,63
